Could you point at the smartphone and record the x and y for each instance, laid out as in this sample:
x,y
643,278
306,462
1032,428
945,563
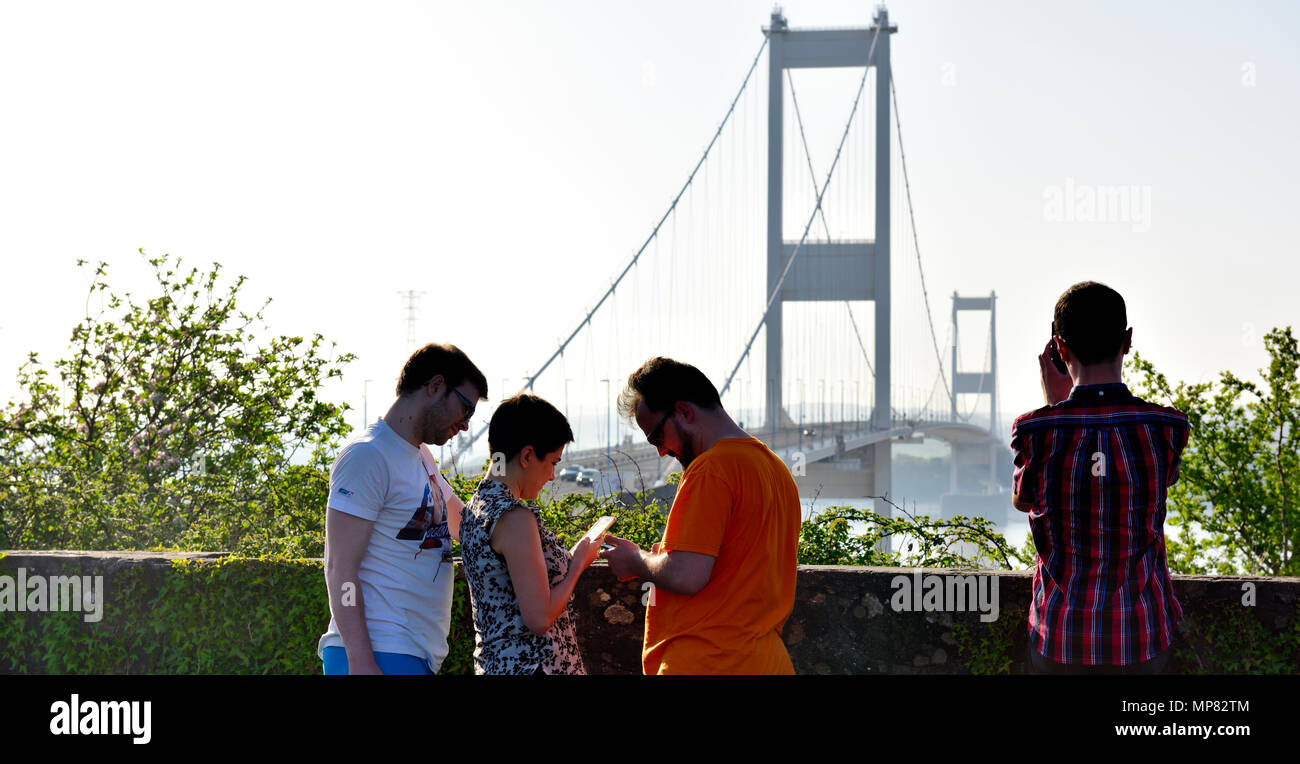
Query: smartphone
x,y
1055,356
598,530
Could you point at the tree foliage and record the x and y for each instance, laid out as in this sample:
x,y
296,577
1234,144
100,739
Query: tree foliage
x,y
169,425
917,541
1236,500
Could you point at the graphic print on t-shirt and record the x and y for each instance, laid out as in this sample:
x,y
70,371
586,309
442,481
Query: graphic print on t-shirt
x,y
421,526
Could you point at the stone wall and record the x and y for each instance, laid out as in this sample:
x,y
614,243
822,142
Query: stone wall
x,y
844,622
845,619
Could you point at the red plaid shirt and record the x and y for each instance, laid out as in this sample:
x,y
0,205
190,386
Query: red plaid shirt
x,y
1095,467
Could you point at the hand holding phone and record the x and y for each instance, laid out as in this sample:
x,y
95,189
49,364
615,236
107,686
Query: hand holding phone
x,y
1054,375
1055,356
599,528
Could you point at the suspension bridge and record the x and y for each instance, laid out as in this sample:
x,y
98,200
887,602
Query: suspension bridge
x,y
784,269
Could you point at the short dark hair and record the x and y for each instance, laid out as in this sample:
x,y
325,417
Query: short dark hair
x,y
1091,319
447,360
662,382
527,420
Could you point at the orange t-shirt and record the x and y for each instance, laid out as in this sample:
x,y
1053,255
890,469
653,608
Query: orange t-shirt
x,y
738,503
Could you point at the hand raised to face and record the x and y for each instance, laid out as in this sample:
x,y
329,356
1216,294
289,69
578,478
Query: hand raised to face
x,y
1056,386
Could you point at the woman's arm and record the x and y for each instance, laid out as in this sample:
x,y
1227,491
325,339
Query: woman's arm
x,y
517,538
454,507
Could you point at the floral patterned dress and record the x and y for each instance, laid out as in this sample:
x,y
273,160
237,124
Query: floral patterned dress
x,y
502,643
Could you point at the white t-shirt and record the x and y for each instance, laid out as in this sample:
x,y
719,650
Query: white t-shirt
x,y
405,581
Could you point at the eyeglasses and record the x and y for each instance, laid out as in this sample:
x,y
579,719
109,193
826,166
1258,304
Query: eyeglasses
x,y
469,406
656,436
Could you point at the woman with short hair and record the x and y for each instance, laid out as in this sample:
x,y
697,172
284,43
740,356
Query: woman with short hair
x,y
521,577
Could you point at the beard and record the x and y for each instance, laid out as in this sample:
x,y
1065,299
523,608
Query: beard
x,y
687,454
435,431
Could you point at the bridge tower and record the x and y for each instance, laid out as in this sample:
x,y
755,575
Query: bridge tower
x,y
858,270
980,382
976,383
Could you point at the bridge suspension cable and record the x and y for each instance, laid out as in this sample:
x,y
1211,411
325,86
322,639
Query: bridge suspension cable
x,y
789,263
893,93
469,443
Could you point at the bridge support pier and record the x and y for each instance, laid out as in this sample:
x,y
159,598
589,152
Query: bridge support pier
x,y
987,453
882,476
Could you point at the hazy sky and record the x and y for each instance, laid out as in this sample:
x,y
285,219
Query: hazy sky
x,y
506,159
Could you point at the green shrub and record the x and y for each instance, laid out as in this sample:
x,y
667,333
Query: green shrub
x,y
170,426
232,615
919,541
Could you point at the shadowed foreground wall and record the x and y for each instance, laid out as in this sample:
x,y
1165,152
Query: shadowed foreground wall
x,y
263,616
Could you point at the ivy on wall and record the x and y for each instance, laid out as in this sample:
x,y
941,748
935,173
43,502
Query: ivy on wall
x,y
239,615
1230,639
1217,640
234,615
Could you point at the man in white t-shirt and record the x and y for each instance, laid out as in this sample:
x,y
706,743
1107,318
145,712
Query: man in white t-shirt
x,y
389,524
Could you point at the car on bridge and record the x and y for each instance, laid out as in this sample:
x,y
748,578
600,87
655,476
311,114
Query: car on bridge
x,y
588,476
571,473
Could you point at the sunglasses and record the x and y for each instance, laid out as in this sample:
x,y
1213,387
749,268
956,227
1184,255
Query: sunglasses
x,y
469,406
656,436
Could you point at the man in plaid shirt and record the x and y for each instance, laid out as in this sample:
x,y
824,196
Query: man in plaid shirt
x,y
1092,469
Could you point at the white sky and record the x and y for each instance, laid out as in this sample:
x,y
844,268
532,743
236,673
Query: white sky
x,y
507,158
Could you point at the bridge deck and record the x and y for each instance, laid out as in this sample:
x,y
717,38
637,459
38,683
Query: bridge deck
x,y
825,440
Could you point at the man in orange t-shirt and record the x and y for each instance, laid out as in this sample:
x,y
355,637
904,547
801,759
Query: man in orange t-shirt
x,y
724,574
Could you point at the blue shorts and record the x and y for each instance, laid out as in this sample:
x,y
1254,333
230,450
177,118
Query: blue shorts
x,y
335,660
